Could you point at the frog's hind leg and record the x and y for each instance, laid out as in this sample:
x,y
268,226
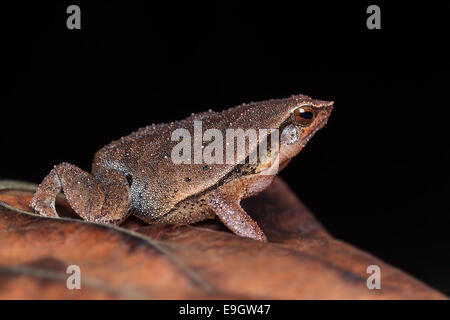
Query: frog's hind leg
x,y
117,205
104,198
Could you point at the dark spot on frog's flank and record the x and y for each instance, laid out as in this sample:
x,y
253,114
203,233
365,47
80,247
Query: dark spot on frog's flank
x,y
205,168
187,179
141,193
129,179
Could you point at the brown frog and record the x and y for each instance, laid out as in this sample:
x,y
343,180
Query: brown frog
x,y
137,175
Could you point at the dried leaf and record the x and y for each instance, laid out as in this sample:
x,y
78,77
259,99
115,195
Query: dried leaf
x,y
202,261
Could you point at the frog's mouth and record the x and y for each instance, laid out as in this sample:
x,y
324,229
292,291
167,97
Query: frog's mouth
x,y
310,134
288,151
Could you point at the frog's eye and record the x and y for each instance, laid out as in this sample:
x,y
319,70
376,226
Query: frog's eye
x,y
303,115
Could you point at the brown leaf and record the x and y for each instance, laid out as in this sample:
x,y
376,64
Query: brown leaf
x,y
202,261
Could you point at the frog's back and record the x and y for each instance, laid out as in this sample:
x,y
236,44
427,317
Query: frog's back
x,y
158,184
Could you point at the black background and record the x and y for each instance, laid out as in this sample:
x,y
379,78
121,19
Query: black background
x,y
377,176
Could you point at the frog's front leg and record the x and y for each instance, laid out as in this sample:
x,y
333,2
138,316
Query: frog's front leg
x,y
225,202
234,217
104,197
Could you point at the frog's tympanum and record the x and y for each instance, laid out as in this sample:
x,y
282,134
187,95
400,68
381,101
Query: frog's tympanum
x,y
137,175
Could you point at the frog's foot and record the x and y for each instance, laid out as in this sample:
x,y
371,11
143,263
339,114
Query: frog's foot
x,y
234,217
85,194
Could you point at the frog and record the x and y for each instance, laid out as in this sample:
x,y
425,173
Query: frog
x,y
136,175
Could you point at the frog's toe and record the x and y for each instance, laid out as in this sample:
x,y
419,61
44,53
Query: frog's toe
x,y
42,209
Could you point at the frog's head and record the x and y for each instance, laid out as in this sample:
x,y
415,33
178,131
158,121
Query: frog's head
x,y
293,120
306,116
